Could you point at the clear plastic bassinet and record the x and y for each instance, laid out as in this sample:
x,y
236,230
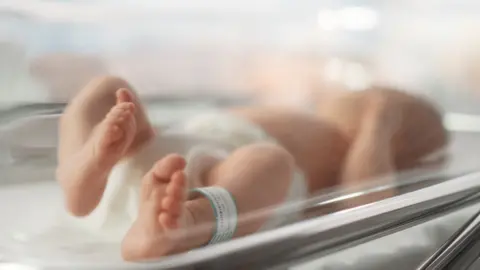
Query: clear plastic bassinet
x,y
192,56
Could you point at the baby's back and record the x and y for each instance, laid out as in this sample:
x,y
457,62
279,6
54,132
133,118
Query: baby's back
x,y
318,147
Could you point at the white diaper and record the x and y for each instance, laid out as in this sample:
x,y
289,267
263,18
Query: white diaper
x,y
237,132
119,206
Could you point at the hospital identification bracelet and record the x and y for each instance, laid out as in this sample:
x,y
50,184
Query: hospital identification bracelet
x,y
225,211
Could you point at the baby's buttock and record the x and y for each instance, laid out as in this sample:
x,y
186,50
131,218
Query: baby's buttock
x,y
318,147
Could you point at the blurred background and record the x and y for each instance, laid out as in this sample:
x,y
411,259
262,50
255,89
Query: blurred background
x,y
289,52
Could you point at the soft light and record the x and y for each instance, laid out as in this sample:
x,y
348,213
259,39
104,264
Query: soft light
x,y
349,18
358,18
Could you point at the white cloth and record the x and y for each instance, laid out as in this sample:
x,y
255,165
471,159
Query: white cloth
x,y
203,140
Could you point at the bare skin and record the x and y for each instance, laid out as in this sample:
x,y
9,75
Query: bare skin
x,y
106,123
318,147
162,210
109,142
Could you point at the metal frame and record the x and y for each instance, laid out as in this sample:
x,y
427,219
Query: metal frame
x,y
460,252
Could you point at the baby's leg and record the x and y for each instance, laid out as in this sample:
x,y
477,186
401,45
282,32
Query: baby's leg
x,y
258,176
100,126
371,154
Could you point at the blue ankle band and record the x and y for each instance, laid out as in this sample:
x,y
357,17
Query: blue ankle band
x,y
225,211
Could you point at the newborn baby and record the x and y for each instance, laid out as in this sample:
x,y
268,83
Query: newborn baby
x,y
216,167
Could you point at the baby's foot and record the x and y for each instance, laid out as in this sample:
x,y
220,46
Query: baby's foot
x,y
162,210
114,135
144,131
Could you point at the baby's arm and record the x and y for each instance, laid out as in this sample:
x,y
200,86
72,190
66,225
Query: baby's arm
x,y
371,155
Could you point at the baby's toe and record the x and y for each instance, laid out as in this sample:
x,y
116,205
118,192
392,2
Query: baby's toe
x,y
124,95
121,110
166,167
177,186
172,206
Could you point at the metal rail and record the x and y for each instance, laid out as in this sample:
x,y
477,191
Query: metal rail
x,y
460,251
